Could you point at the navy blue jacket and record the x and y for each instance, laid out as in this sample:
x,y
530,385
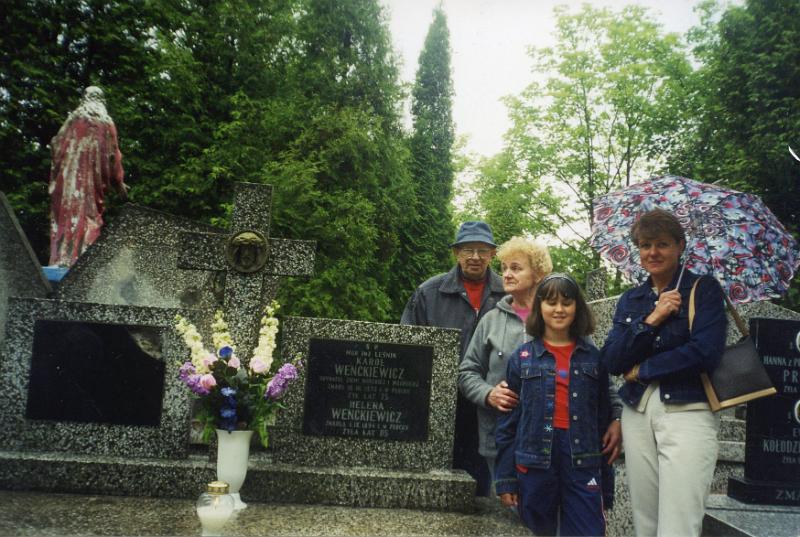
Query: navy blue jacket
x,y
442,301
668,352
524,435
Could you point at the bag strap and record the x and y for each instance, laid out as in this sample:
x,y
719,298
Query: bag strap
x,y
728,305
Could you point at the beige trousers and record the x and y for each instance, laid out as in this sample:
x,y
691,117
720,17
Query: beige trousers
x,y
669,460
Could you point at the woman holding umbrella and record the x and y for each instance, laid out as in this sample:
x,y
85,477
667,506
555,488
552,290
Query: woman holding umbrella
x,y
670,432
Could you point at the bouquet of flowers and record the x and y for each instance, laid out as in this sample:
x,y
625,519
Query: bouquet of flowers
x,y
231,395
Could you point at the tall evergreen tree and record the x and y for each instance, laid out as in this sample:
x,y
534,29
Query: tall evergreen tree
x,y
426,240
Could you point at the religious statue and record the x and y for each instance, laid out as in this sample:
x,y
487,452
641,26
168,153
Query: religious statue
x,y
86,161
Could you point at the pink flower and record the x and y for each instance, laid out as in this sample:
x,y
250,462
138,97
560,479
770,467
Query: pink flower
x,y
234,362
208,381
258,365
524,354
209,359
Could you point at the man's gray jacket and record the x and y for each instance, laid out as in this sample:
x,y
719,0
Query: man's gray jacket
x,y
442,301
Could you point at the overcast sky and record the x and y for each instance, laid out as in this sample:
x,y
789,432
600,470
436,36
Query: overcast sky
x,y
489,39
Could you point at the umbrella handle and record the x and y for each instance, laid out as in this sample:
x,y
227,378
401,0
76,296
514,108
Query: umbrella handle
x,y
680,276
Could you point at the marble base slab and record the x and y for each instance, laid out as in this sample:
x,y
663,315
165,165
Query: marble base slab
x,y
268,482
732,518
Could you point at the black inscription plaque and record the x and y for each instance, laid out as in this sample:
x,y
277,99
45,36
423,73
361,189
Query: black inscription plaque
x,y
772,447
368,390
95,373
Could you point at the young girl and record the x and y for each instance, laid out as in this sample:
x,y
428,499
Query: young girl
x,y
551,447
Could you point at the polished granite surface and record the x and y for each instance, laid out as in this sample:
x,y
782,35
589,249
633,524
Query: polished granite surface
x,y
39,514
731,518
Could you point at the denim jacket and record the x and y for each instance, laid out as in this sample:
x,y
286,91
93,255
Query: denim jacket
x,y
524,435
668,352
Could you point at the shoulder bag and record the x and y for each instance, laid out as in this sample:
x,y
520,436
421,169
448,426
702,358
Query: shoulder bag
x,y
740,375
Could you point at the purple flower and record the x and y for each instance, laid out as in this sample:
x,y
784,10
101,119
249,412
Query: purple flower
x,y
289,371
193,383
277,386
186,370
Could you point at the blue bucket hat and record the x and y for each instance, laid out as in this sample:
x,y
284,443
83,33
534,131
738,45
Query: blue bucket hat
x,y
474,231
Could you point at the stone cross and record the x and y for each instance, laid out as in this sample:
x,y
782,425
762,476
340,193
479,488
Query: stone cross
x,y
252,261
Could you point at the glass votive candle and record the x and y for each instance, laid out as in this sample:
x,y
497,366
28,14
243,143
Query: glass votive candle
x,y
214,508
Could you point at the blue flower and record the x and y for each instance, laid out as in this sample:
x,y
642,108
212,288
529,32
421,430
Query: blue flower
x,y
225,352
227,412
227,391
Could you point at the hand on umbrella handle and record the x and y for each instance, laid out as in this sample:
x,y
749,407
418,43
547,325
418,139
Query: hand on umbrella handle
x,y
669,302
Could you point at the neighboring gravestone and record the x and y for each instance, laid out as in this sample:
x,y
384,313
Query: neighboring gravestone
x,y
20,271
92,378
596,281
772,449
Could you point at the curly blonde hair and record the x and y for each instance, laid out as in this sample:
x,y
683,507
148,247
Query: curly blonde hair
x,y
537,254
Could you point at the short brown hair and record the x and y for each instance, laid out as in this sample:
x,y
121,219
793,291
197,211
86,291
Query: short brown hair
x,y
552,285
657,222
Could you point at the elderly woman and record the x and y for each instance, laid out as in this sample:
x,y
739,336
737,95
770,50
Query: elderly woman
x,y
481,376
670,432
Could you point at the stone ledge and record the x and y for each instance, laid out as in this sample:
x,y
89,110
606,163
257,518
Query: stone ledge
x,y
731,451
266,482
731,518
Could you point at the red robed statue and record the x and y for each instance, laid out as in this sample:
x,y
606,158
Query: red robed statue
x,y
86,162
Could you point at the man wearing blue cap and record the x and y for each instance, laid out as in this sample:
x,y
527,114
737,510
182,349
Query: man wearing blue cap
x,y
458,299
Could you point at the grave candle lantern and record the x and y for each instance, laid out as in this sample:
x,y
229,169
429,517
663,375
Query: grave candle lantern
x,y
214,508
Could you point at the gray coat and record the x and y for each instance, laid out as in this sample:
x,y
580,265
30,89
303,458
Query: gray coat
x,y
442,301
497,336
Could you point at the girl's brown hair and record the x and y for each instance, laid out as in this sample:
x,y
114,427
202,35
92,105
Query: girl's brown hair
x,y
553,285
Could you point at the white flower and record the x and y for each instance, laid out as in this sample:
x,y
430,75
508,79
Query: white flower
x,y
220,333
266,337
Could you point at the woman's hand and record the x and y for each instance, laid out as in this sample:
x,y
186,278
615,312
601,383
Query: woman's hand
x,y
612,441
502,398
508,499
632,375
668,303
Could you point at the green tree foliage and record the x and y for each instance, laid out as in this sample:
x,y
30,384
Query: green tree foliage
x,y
426,241
300,94
602,113
746,111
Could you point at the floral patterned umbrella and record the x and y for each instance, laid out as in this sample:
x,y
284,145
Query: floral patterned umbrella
x,y
730,235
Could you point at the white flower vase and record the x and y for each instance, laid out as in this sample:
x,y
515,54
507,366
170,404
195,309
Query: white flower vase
x,y
233,453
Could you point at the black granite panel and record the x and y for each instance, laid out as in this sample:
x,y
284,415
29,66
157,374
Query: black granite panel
x,y
369,390
95,373
772,450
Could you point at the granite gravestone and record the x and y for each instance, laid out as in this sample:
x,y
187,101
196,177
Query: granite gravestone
x,y
20,272
70,386
134,263
355,406
772,446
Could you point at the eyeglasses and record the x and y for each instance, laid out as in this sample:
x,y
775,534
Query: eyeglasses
x,y
483,253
